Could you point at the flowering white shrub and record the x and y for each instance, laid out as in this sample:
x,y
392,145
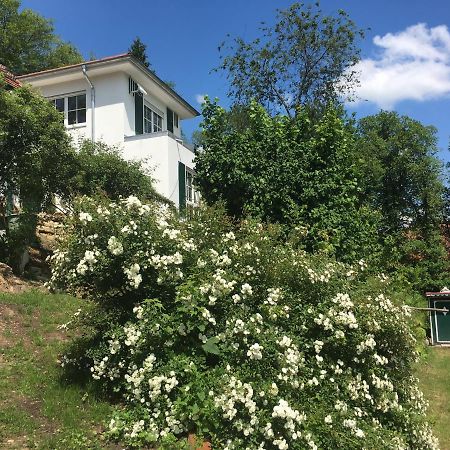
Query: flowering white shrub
x,y
233,333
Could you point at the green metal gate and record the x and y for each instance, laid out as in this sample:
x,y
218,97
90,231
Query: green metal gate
x,y
439,320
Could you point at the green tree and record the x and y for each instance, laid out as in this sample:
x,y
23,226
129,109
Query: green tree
x,y
305,58
290,171
28,42
403,180
36,158
139,50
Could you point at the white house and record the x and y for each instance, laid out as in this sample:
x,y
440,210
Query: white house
x,y
119,101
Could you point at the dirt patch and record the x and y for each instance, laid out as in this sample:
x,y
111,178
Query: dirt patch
x,y
12,284
16,443
33,409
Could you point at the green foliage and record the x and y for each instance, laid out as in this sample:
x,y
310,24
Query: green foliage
x,y
36,158
139,50
35,151
305,58
228,331
402,178
290,171
28,42
100,169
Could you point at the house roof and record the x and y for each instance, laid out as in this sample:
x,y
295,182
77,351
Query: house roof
x,y
10,78
124,62
445,293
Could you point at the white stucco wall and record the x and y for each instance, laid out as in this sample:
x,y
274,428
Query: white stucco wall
x,y
162,154
79,131
110,94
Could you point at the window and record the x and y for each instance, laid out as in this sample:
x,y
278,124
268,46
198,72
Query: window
x,y
73,107
192,195
152,121
175,120
59,104
76,109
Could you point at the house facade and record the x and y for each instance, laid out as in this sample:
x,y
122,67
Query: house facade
x,y
119,101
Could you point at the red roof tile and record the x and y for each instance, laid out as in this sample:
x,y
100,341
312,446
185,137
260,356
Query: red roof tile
x,y
10,78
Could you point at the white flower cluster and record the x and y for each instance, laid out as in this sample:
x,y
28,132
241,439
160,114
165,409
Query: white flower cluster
x,y
291,416
132,335
134,277
88,261
85,218
115,246
237,393
255,351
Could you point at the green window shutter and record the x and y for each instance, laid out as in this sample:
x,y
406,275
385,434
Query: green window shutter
x,y
138,113
170,120
182,186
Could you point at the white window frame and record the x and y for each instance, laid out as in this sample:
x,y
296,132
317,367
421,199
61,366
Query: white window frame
x,y
192,195
154,112
65,97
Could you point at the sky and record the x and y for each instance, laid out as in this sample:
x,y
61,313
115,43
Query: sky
x,y
405,62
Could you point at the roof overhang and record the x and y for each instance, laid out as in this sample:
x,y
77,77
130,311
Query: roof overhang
x,y
442,294
121,63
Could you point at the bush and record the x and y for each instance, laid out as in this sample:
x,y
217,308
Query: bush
x,y
236,335
100,169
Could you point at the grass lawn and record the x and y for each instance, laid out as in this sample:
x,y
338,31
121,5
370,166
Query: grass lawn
x,y
434,380
38,409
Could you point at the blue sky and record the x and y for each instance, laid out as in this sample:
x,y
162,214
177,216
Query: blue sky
x,y
406,66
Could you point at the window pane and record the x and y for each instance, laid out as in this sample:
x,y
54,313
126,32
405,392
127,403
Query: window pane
x,y
81,116
72,103
81,101
72,117
59,104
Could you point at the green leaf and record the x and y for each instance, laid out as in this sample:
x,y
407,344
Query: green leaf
x,y
210,346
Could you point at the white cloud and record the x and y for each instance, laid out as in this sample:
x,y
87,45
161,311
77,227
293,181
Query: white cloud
x,y
413,64
200,98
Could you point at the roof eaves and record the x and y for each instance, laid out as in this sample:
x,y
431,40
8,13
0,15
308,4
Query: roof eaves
x,y
162,84
123,56
71,66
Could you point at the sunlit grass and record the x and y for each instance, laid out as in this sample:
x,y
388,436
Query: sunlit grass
x,y
39,409
434,380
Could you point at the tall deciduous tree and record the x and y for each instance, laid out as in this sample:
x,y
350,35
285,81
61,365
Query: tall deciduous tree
x,y
139,50
403,180
28,42
305,58
290,171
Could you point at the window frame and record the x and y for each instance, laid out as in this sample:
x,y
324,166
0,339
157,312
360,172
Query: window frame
x,y
192,195
155,125
65,98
